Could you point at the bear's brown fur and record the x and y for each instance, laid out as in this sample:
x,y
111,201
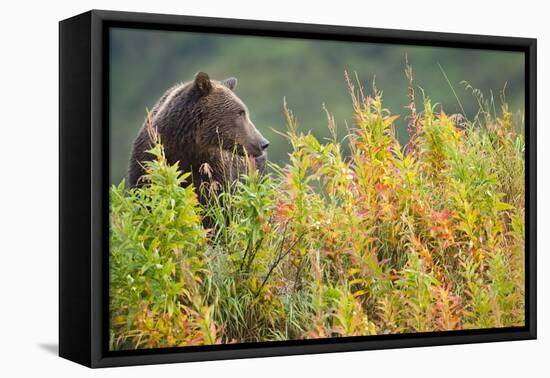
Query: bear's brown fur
x,y
205,127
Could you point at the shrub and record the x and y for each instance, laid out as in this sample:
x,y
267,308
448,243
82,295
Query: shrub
x,y
386,239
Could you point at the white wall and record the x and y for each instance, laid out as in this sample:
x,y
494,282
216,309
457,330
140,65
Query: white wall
x,y
28,185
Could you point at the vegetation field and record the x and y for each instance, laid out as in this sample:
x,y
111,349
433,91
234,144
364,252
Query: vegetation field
x,y
384,239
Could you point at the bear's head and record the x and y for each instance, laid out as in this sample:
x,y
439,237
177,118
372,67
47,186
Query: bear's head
x,y
225,119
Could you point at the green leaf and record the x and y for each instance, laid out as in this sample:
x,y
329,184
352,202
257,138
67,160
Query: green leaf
x,y
502,206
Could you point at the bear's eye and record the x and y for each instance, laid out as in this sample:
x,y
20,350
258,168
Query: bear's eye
x,y
241,113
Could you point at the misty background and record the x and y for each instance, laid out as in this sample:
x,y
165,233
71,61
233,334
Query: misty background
x,y
308,73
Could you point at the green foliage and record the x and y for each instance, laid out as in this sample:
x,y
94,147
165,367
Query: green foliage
x,y
384,240
156,262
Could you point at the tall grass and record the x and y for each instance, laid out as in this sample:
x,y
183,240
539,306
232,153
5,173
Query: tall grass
x,y
388,239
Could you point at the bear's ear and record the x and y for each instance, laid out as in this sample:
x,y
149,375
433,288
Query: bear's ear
x,y
230,83
203,83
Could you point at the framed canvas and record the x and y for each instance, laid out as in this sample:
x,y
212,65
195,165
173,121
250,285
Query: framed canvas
x,y
236,188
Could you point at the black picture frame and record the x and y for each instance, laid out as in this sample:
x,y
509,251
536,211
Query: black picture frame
x,y
84,201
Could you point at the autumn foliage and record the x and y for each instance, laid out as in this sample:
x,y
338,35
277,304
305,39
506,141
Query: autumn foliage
x,y
381,239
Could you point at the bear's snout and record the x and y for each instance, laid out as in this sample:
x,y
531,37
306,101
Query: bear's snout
x,y
264,143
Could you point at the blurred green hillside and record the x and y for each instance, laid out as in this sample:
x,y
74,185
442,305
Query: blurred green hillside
x,y
308,73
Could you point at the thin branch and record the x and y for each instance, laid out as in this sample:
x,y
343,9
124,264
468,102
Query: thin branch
x,y
253,255
453,90
413,124
245,254
276,263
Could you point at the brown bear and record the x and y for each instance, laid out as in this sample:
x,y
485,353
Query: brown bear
x,y
204,127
